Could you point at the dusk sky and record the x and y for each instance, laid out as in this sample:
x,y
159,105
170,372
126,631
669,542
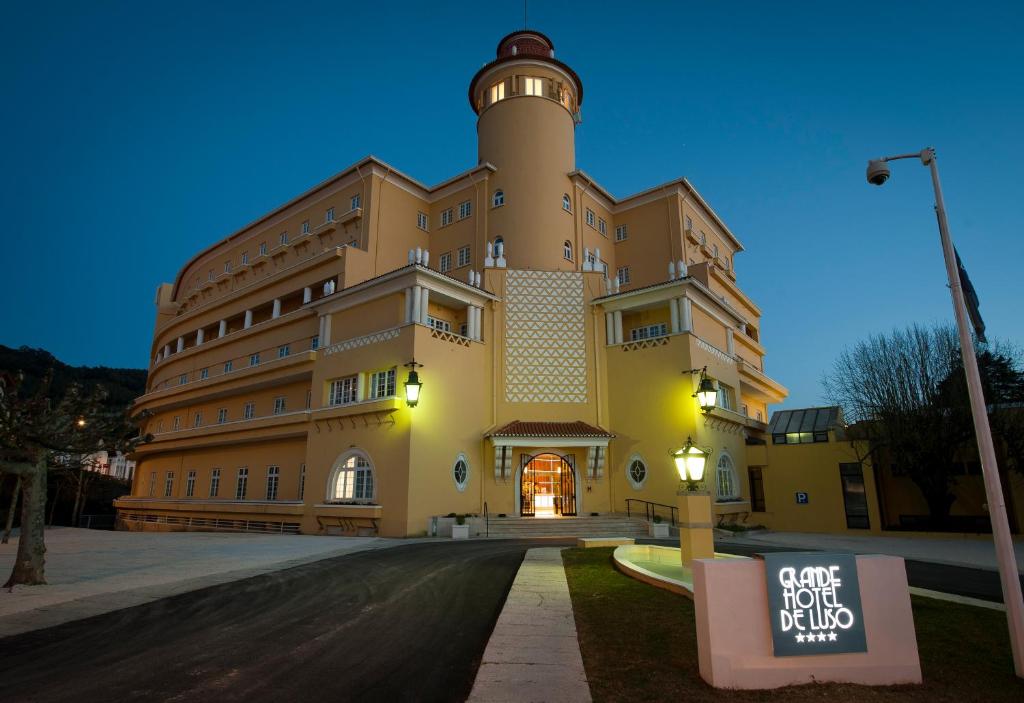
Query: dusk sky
x,y
136,134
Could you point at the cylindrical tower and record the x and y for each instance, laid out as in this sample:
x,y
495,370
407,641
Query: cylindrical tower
x,y
527,104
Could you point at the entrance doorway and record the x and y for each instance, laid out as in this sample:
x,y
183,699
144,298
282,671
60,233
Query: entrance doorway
x,y
547,487
854,496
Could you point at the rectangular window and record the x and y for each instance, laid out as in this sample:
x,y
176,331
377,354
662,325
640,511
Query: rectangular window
x,y
421,220
279,405
602,226
648,332
465,209
222,416
302,481
314,344
800,437
689,223
464,257
197,420
437,324
283,351
177,423
622,274
355,202
283,239
245,258
227,366
227,267
621,233
183,379
382,384
446,217
190,484
343,391
590,217
756,489
254,359
249,412
533,86
329,215
204,374
210,277
726,396
305,227
152,483
273,477
242,483
263,249
169,485
445,263
497,92
215,483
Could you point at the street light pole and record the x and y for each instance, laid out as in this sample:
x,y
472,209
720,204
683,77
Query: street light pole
x,y
989,469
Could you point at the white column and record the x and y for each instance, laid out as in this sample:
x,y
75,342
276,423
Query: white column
x,y
200,336
307,295
248,320
181,344
424,305
417,295
167,350
479,323
360,386
325,338
277,309
685,315
730,342
617,326
223,329
609,328
673,311
408,305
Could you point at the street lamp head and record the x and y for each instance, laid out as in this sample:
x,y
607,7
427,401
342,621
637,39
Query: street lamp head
x,y
413,384
690,461
878,172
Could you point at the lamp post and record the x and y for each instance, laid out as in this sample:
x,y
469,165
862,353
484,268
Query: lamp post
x,y
696,541
877,174
413,385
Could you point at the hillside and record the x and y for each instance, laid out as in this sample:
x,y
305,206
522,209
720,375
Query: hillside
x,y
122,385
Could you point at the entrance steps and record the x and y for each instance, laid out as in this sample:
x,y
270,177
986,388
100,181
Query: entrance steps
x,y
587,526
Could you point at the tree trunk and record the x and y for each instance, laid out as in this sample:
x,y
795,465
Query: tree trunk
x,y
30,562
79,480
10,511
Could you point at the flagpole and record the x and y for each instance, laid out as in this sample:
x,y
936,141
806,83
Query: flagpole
x,y
1005,557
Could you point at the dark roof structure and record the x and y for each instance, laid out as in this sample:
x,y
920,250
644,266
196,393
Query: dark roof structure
x,y
806,420
558,430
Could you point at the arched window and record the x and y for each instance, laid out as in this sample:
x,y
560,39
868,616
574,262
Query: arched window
x,y
499,198
725,479
567,250
499,246
351,478
636,471
566,203
460,472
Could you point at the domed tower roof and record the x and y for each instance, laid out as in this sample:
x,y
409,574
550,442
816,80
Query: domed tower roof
x,y
525,44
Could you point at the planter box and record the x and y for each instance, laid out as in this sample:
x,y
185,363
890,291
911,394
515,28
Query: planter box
x,y
659,530
460,531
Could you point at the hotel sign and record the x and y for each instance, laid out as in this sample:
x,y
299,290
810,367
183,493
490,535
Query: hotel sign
x,y
814,603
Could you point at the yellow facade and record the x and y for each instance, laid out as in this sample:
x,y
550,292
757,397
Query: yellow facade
x,y
551,320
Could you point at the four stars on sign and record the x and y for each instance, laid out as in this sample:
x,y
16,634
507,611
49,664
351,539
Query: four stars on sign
x,y
820,637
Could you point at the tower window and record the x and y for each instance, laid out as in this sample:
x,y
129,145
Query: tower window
x,y
621,233
446,217
533,86
421,220
602,226
445,262
590,217
567,250
284,235
465,209
355,202
499,198
464,257
329,215
497,92
623,275
566,203
305,227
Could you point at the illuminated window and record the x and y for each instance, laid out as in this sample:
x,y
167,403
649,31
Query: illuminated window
x,y
567,250
273,478
726,485
799,437
497,92
343,391
352,479
566,203
533,86
499,198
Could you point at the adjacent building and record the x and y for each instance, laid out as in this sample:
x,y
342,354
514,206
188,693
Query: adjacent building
x,y
559,333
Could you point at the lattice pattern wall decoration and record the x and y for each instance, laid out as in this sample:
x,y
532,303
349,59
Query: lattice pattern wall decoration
x,y
545,342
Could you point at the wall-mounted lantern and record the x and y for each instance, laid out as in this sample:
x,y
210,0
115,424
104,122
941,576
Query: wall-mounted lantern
x,y
690,463
707,394
413,384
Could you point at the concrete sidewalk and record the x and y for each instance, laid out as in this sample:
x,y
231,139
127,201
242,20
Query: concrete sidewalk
x,y
533,654
971,553
90,572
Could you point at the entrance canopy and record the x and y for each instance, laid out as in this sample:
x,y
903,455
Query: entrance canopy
x,y
550,434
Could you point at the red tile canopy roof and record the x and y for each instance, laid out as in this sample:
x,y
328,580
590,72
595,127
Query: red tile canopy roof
x,y
559,430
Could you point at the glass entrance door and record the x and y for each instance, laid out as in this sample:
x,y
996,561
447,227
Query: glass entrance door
x,y
548,487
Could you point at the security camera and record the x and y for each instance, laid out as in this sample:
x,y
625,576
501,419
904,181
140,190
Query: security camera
x,y
878,172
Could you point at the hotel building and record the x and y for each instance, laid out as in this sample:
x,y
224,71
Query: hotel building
x,y
558,327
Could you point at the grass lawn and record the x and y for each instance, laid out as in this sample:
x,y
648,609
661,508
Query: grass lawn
x,y
639,644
